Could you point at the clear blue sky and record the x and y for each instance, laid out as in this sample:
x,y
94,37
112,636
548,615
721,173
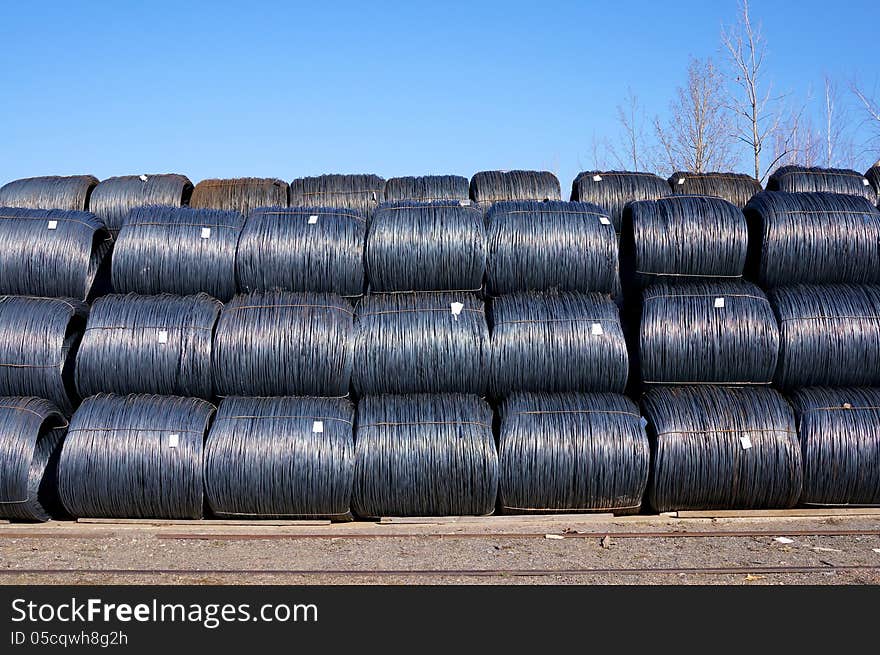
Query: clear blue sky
x,y
220,89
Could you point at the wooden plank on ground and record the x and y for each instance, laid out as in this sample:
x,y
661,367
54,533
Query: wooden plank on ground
x,y
206,522
802,512
495,520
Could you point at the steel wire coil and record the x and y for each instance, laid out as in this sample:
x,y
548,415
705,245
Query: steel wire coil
x,y
137,456
424,455
420,343
873,176
681,238
735,188
707,333
813,238
361,192
51,252
317,249
427,188
555,343
829,335
799,179
839,432
281,458
493,186
426,246
721,448
241,194
115,197
148,344
177,250
49,192
613,190
38,342
571,453
279,343
543,246
32,430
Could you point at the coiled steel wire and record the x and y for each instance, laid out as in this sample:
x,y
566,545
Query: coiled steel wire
x,y
799,179
613,190
427,188
361,192
242,194
115,197
49,192
735,188
493,186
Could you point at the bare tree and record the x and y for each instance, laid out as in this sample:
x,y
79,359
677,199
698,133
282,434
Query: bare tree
x,y
631,116
698,136
838,146
797,142
871,109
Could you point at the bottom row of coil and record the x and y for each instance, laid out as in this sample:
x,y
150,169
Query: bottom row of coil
x,y
146,456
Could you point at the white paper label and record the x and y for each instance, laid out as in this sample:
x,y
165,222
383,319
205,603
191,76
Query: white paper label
x,y
681,180
173,440
865,181
456,308
317,426
313,219
847,405
206,233
163,336
783,540
604,220
719,303
746,441
596,329
53,225
465,203
143,178
597,178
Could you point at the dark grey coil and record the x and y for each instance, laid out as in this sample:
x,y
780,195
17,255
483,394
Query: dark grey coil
x,y
735,188
541,246
812,238
556,342
148,344
420,343
280,458
571,453
302,249
493,186
424,455
683,237
721,448
50,252
426,246
707,333
828,335
839,432
427,188
800,179
50,192
38,341
241,194
115,197
613,190
32,430
278,343
873,176
177,250
136,456
361,192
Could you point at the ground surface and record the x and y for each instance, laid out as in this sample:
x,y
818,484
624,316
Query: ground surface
x,y
493,550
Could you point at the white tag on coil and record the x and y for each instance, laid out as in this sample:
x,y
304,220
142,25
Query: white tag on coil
x,y
681,180
163,336
456,308
865,181
313,219
746,441
719,303
597,178
206,233
596,329
143,178
317,426
604,220
53,225
173,440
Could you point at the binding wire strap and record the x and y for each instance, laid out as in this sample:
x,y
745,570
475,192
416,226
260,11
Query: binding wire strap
x,y
571,453
799,179
683,237
828,335
38,341
707,332
424,455
556,342
302,249
493,186
51,192
361,192
148,344
539,246
839,431
32,430
721,448
420,343
134,457
241,194
50,252
177,250
735,188
419,246
114,197
613,190
280,458
427,188
277,343
813,238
